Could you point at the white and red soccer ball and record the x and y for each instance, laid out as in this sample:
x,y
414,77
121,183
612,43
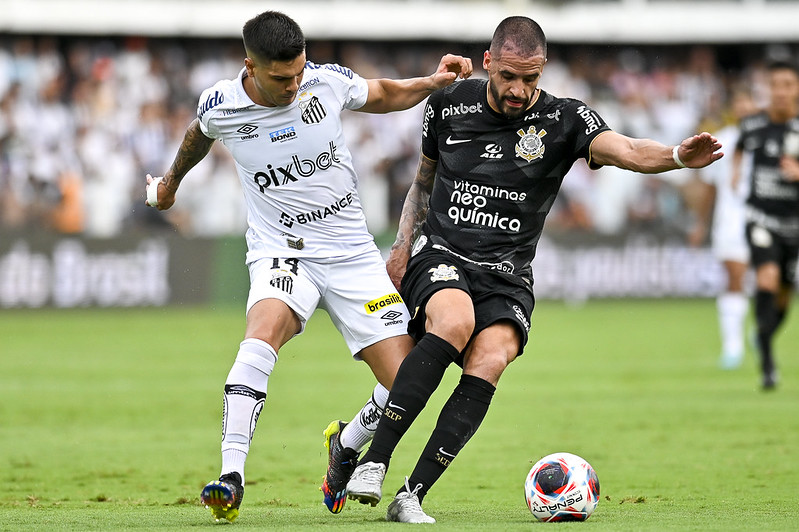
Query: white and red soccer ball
x,y
561,487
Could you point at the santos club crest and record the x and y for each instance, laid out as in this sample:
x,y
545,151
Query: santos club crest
x,y
312,110
530,146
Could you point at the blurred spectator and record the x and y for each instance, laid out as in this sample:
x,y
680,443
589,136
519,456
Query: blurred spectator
x,y
81,118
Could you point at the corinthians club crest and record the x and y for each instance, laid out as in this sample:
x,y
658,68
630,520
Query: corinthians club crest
x,y
530,146
444,273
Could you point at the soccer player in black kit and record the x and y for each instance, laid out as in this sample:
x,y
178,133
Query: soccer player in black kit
x,y
494,153
772,213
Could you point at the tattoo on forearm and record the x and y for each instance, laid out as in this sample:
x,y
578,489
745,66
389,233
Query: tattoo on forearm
x,y
417,203
194,147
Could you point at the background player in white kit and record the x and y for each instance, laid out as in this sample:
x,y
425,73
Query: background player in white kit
x,y
728,236
308,245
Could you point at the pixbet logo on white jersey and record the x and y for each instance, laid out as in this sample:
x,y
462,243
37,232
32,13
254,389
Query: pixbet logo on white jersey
x,y
461,109
276,176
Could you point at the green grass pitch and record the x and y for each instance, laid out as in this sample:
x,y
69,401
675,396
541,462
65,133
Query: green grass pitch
x,y
110,419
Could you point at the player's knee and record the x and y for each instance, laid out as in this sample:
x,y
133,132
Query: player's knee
x,y
450,316
768,277
456,331
487,364
273,322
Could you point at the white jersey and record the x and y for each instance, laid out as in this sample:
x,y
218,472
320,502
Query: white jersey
x,y
729,215
295,168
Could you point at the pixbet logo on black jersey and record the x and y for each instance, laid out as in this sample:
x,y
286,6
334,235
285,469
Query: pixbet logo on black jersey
x,y
461,109
276,176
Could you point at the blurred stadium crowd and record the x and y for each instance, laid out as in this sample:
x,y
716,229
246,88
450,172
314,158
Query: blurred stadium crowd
x,y
82,120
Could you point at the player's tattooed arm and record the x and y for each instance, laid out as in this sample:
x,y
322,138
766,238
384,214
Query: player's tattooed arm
x,y
414,212
192,150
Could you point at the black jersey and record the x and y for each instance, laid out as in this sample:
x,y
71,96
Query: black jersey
x,y
497,178
773,200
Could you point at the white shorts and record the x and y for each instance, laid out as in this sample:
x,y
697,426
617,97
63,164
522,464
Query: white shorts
x,y
729,240
356,292
731,250
729,226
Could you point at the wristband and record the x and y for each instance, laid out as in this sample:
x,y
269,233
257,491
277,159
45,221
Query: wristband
x,y
152,192
676,156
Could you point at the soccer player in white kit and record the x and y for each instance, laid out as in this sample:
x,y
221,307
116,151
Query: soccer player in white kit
x,y
728,237
308,244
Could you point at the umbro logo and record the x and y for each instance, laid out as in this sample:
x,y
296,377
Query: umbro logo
x,y
450,141
248,132
391,315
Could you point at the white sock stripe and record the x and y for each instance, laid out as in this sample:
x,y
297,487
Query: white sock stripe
x,y
360,430
380,396
258,354
233,459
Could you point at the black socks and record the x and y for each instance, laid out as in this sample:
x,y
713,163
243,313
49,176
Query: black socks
x,y
769,318
459,419
418,377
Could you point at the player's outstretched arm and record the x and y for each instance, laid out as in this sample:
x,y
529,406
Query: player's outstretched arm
x,y
192,150
387,95
651,157
414,211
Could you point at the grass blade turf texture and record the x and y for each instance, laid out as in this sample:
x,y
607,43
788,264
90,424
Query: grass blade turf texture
x,y
109,419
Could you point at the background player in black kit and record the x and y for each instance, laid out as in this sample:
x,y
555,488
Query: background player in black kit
x,y
772,228
494,154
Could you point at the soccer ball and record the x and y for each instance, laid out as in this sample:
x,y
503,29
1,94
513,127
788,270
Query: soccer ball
x,y
561,487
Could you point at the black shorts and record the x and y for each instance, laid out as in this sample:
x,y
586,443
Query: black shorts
x,y
769,246
495,296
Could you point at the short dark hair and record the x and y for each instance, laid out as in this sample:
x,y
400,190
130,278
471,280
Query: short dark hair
x,y
273,36
521,35
782,64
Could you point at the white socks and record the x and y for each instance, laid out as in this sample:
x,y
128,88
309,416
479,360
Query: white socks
x,y
245,393
732,308
360,430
